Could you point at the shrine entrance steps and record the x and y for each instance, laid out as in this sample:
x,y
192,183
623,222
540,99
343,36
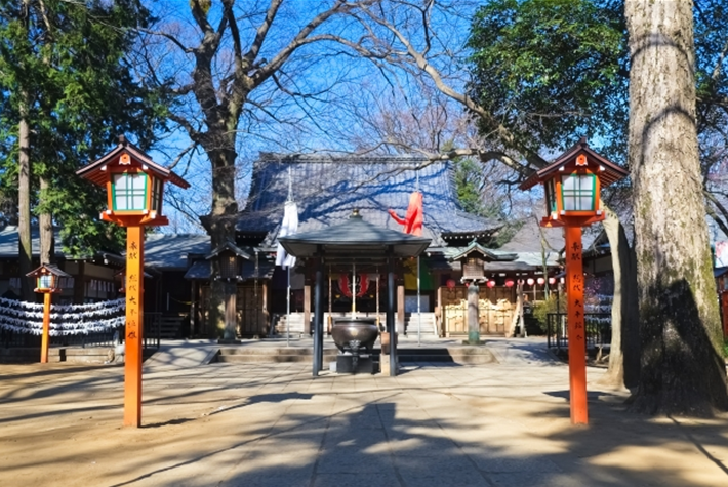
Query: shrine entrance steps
x,y
453,355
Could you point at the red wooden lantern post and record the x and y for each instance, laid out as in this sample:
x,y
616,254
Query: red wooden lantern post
x,y
571,192
47,281
134,184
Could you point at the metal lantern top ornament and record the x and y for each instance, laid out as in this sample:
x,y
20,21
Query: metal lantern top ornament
x,y
134,184
47,278
572,185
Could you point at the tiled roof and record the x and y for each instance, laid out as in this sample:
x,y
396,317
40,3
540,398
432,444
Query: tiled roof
x,y
528,239
327,189
169,252
9,246
9,241
202,269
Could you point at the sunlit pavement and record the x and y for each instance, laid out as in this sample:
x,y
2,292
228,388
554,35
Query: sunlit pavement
x,y
500,424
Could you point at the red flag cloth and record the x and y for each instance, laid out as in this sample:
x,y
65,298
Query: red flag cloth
x,y
412,220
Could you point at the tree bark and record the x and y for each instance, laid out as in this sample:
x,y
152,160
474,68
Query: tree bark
x,y
518,313
624,359
45,219
25,245
683,370
220,225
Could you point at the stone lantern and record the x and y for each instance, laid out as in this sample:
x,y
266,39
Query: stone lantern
x,y
472,261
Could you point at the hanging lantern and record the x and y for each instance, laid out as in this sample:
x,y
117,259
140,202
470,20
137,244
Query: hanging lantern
x,y
450,284
530,281
509,283
552,280
491,283
540,281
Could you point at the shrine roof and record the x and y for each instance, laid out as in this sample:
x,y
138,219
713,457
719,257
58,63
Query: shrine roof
x,y
327,188
169,252
202,270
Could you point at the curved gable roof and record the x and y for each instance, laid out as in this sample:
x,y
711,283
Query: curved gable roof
x,y
327,188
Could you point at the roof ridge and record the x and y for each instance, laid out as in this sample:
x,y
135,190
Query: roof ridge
x,y
343,158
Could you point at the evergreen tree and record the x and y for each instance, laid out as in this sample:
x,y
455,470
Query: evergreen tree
x,y
66,91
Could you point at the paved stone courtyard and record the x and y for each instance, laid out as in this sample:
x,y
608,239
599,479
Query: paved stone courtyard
x,y
504,424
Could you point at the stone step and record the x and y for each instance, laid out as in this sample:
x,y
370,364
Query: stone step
x,y
426,323
71,355
465,355
269,359
29,355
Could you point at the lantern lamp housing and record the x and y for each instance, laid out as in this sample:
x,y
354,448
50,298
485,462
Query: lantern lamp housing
x,y
47,278
134,184
572,185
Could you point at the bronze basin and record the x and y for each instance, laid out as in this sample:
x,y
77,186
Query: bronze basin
x,y
363,331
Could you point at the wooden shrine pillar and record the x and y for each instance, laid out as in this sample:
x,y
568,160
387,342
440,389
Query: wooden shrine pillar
x,y
45,338
194,305
318,322
400,309
307,308
575,322
266,325
79,284
391,328
134,326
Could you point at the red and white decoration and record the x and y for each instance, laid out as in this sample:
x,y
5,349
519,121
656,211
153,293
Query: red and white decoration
x,y
361,284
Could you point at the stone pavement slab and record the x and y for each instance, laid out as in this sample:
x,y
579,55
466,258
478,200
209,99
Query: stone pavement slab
x,y
499,424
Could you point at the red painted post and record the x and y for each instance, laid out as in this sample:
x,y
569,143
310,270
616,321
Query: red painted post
x,y
575,321
134,326
46,328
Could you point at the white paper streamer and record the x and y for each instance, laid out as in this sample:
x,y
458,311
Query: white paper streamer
x,y
77,319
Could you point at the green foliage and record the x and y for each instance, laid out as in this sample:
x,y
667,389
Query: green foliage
x,y
551,71
554,70
469,187
69,58
542,309
479,195
725,347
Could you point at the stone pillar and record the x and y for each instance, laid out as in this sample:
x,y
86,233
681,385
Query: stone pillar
x,y
473,314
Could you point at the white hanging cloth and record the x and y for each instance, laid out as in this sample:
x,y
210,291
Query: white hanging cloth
x,y
289,226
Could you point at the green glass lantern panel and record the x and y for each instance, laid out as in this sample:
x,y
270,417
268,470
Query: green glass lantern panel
x,y
550,197
130,191
156,194
578,192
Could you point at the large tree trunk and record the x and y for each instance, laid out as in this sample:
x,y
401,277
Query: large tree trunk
x,y
624,358
45,219
220,225
25,247
683,370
